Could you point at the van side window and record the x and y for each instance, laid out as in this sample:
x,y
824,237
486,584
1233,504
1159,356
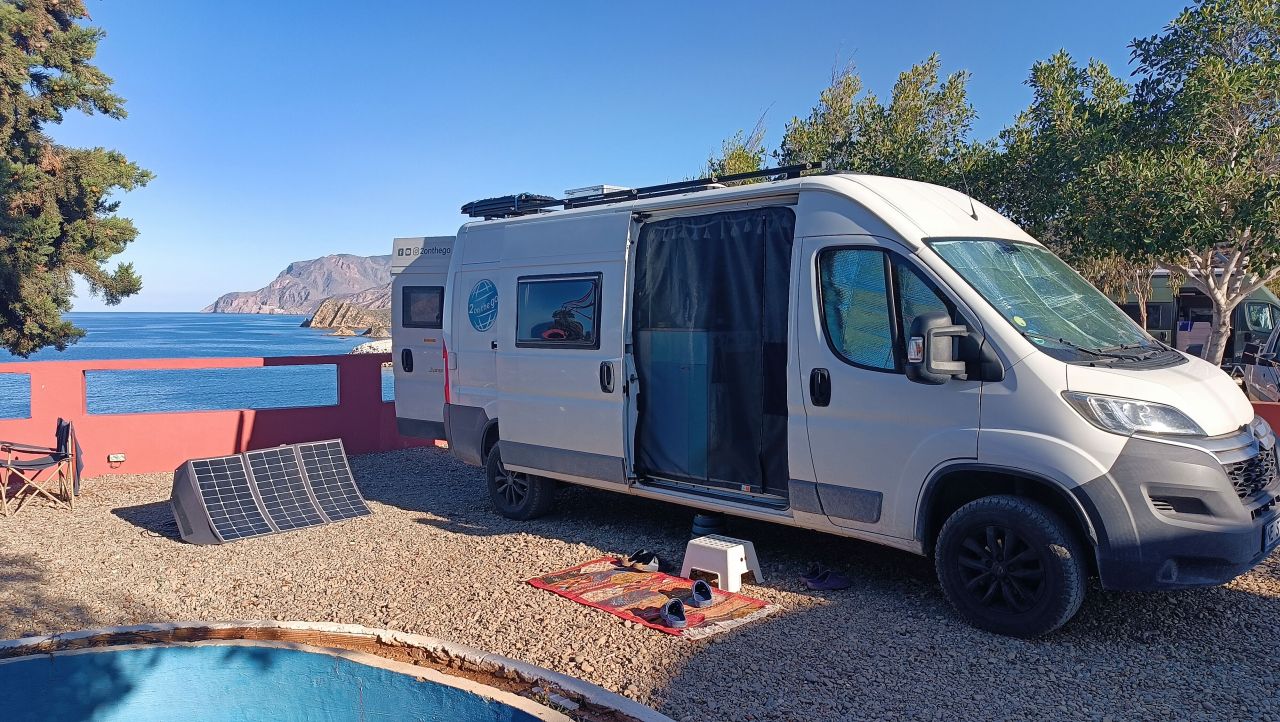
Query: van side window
x,y
855,306
422,307
558,311
915,295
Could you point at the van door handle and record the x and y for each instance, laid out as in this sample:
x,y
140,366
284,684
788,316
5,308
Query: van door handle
x,y
406,360
820,387
606,376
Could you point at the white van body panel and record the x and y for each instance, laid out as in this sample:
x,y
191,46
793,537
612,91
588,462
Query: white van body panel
x,y
419,271
1027,425
881,434
1201,390
554,413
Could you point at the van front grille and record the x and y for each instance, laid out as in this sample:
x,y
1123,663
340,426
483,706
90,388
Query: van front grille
x,y
1253,475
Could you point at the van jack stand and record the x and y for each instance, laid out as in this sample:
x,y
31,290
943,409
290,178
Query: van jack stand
x,y
709,523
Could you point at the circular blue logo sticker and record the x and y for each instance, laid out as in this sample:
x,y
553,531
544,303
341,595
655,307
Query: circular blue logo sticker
x,y
482,305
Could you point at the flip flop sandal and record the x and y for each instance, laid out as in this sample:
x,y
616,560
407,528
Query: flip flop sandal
x,y
672,614
701,595
828,581
642,561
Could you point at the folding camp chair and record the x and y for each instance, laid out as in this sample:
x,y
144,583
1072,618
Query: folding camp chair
x,y
43,470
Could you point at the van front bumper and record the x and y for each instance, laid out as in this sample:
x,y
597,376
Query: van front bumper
x,y
1171,516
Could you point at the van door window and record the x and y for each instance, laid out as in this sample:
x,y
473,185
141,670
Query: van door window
x,y
422,307
1259,315
855,307
558,311
916,296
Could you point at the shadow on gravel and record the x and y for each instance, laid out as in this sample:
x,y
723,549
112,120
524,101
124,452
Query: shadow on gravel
x,y
891,647
25,605
31,690
155,518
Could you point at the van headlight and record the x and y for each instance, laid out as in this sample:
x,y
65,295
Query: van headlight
x,y
1131,416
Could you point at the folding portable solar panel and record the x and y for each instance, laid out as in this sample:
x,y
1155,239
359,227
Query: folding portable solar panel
x,y
262,492
325,464
282,489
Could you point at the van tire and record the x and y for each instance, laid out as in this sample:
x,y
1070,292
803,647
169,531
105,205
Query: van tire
x,y
517,495
1035,594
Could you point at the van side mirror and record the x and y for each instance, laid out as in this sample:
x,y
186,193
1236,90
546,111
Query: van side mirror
x,y
1251,353
931,349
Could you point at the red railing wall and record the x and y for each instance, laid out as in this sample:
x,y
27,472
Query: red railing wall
x,y
163,440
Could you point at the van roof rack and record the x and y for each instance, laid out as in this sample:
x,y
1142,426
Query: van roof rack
x,y
524,204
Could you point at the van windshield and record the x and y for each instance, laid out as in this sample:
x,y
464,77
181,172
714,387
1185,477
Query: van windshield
x,y
1047,301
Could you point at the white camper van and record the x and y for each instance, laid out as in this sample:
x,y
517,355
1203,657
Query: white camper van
x,y
419,269
865,356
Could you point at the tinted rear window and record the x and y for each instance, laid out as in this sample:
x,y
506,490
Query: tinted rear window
x,y
422,307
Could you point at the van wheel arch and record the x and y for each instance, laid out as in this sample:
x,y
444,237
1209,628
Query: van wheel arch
x,y
954,486
489,438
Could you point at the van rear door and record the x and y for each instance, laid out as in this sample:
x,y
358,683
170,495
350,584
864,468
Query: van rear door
x,y
419,267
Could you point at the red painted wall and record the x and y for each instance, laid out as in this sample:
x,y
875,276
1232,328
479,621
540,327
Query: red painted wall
x,y
161,441
1268,411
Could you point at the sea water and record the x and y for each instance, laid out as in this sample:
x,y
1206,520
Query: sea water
x,y
192,335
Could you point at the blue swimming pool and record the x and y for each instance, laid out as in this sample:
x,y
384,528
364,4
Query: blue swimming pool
x,y
226,683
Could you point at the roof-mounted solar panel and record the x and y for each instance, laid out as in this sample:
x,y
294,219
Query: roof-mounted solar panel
x,y
526,203
266,491
521,204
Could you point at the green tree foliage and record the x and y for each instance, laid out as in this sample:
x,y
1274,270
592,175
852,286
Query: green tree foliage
x,y
921,133
57,217
1180,171
742,153
1043,171
1078,116
1197,184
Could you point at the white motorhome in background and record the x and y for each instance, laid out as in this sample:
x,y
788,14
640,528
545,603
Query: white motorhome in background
x,y
866,356
419,269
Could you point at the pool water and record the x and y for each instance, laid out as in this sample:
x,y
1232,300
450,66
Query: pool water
x,y
226,683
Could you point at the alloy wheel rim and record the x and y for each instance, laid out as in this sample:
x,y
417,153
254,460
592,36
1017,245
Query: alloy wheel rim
x,y
512,488
1001,570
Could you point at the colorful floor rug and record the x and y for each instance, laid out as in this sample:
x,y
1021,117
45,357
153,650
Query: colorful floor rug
x,y
638,596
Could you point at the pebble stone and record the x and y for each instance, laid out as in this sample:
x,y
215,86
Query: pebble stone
x,y
434,559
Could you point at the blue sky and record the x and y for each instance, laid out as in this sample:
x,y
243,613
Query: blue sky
x,y
289,130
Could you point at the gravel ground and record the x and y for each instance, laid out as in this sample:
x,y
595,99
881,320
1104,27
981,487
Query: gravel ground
x,y
433,559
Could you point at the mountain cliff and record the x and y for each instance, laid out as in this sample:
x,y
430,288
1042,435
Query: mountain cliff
x,y
300,288
338,313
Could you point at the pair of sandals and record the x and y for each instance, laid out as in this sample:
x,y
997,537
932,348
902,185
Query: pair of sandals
x,y
642,561
672,613
820,579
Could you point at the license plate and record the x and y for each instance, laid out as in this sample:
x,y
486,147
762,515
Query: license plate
x,y
1271,533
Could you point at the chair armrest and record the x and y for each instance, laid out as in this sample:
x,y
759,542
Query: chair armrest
x,y
24,448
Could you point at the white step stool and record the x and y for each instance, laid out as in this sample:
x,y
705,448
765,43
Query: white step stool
x,y
725,557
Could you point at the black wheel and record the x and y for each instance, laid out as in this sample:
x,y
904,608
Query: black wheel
x,y
517,495
1009,565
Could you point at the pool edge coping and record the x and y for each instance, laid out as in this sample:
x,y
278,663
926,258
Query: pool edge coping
x,y
592,693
